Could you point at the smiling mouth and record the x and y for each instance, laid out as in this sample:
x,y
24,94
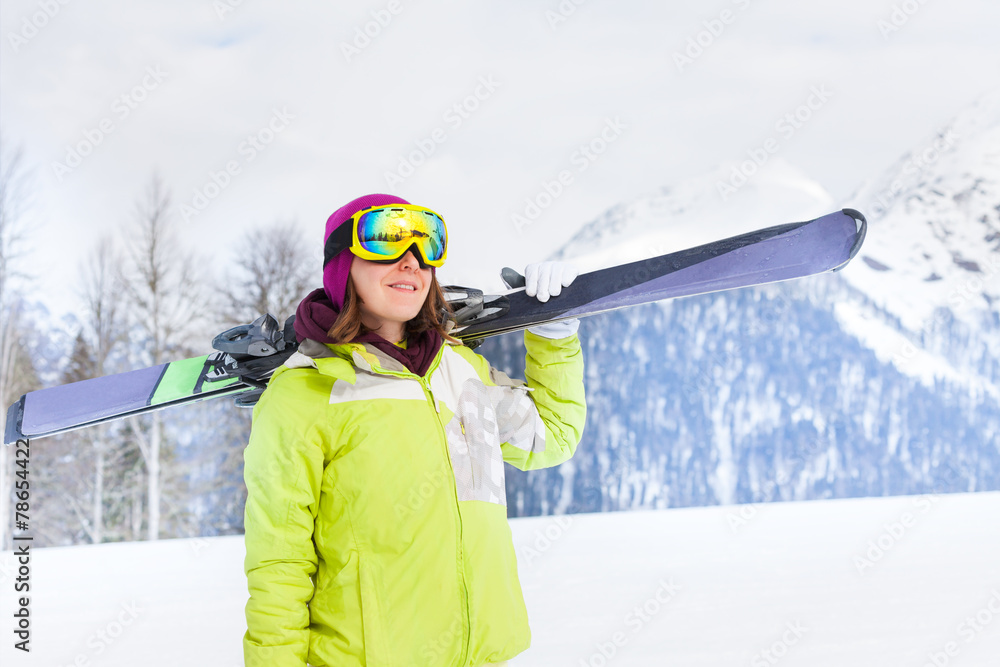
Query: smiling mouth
x,y
404,286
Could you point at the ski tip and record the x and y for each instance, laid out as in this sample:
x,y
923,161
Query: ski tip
x,y
858,216
862,230
15,413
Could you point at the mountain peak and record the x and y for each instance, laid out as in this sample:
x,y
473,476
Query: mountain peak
x,y
934,222
731,199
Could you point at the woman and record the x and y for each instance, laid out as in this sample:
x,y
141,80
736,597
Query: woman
x,y
376,519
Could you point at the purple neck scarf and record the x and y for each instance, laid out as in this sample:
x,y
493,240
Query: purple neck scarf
x,y
316,315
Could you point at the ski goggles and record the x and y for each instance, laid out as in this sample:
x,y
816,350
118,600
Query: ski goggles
x,y
385,233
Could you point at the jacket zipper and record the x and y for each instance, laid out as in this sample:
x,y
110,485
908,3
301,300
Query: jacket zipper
x,y
429,395
461,551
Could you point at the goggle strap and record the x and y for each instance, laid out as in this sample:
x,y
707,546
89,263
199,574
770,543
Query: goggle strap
x,y
339,241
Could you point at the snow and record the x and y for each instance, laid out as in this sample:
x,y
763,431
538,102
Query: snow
x,y
876,581
932,232
892,346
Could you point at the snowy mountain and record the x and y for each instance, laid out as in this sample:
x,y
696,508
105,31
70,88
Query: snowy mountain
x,y
871,582
883,379
934,238
694,213
932,257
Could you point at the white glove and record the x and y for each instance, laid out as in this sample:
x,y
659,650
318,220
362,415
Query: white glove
x,y
547,279
556,330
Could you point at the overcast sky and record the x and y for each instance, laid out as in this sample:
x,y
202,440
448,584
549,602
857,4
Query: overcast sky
x,y
254,112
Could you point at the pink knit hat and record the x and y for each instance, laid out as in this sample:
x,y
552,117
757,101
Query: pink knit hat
x,y
337,270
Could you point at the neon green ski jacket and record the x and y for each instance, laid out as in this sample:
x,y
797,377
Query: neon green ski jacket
x,y
376,518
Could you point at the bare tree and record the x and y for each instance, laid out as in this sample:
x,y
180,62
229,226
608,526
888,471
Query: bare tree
x,y
275,267
15,366
165,302
275,270
102,333
13,200
59,504
80,477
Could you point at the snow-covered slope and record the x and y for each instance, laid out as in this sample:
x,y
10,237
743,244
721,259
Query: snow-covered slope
x,y
867,583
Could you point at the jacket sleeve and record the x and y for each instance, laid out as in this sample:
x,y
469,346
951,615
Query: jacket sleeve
x,y
541,426
283,472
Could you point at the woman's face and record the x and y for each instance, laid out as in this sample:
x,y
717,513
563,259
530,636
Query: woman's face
x,y
391,294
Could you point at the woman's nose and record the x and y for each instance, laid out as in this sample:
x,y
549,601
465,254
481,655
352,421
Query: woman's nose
x,y
409,260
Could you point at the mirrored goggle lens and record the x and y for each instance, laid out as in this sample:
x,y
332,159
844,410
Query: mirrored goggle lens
x,y
390,232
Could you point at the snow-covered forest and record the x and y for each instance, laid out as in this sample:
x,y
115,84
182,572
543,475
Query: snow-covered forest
x,y
146,298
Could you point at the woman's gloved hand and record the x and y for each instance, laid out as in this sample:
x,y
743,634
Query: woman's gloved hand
x,y
545,280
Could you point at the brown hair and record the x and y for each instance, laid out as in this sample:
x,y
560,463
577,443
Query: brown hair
x,y
432,316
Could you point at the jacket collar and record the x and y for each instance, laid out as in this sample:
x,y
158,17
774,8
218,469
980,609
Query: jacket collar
x,y
340,361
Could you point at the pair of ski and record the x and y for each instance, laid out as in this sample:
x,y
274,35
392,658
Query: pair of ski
x,y
247,355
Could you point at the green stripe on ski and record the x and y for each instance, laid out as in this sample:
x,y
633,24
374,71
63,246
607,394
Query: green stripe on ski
x,y
182,378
